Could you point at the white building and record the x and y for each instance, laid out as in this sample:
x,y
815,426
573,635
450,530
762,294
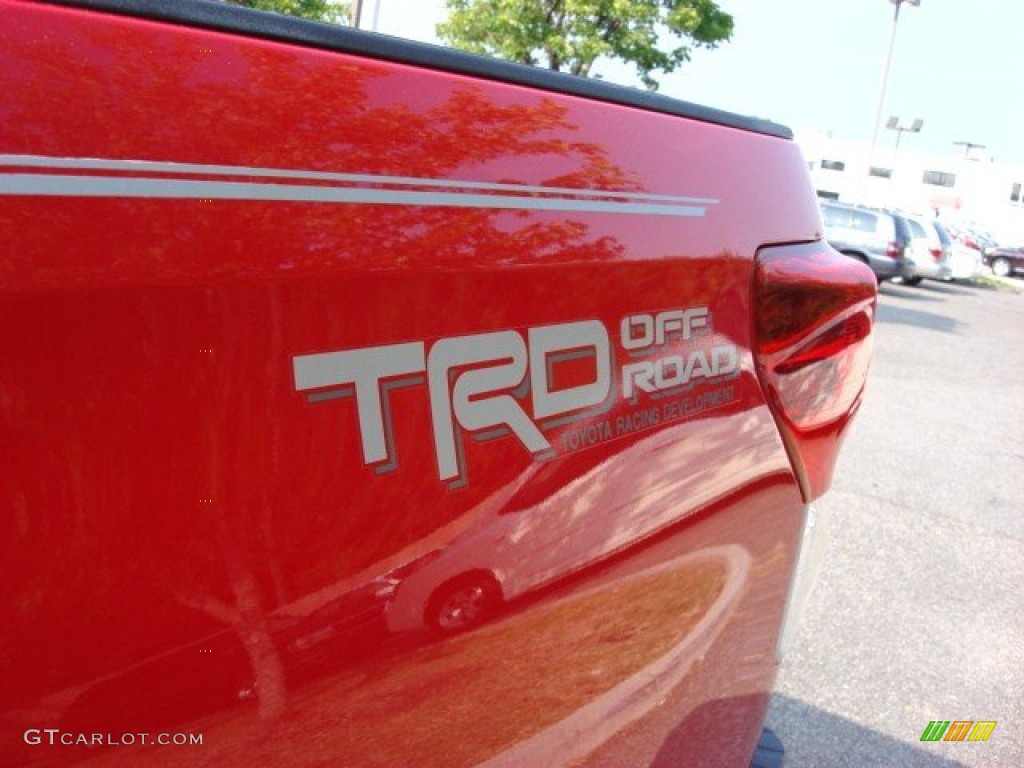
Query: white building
x,y
972,188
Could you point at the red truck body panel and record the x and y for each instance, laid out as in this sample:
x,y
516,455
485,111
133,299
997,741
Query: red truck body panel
x,y
287,331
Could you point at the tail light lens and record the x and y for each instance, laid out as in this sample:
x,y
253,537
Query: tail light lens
x,y
936,253
893,250
813,315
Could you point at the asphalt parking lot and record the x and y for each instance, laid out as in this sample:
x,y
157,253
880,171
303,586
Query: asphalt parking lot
x,y
918,614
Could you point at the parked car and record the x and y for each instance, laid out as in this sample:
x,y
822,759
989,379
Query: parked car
x,y
877,237
927,255
1005,261
946,241
313,339
965,260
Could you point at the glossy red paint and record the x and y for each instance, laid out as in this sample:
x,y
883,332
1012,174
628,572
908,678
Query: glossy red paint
x,y
193,544
813,320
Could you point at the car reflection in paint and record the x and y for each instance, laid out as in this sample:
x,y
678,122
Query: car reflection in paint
x,y
312,637
565,515
308,636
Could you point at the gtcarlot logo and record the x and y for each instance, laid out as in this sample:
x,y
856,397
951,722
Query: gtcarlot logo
x,y
55,736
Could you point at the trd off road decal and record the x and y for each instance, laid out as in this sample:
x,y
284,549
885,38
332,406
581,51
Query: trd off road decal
x,y
556,388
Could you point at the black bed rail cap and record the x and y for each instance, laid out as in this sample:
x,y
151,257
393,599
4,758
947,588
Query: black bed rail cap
x,y
207,14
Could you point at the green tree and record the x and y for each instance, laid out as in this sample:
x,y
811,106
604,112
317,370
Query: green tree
x,y
317,10
570,35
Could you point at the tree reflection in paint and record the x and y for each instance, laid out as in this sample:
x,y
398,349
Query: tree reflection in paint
x,y
110,538
239,104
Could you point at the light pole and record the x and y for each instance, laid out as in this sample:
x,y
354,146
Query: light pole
x,y
968,146
885,74
894,125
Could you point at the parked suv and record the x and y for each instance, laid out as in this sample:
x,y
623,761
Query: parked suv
x,y
928,255
965,259
877,237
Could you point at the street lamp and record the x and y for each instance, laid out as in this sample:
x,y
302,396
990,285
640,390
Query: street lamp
x,y
894,125
968,146
885,75
355,14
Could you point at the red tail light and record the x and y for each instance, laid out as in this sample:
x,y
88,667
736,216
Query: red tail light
x,y
893,250
813,317
936,253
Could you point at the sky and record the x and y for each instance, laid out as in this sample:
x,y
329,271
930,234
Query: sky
x,y
817,65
